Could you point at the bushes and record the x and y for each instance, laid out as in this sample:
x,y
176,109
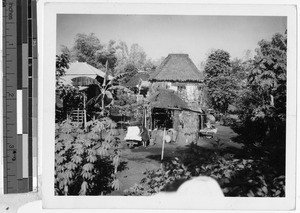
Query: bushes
x,y
67,98
86,161
160,180
245,176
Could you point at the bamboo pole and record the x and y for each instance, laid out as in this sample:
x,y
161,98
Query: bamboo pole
x,y
78,118
145,117
84,111
163,145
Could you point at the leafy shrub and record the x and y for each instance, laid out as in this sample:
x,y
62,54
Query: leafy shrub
x,y
67,98
251,176
248,172
245,177
86,161
156,180
229,120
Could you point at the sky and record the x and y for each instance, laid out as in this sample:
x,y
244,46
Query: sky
x,y
160,35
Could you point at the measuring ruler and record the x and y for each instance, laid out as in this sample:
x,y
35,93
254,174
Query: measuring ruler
x,y
19,95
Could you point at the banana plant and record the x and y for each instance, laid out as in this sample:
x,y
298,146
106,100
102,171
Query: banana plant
x,y
105,98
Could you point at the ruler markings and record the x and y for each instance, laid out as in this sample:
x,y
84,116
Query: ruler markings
x,y
19,45
25,111
30,37
25,156
19,156
19,112
25,65
24,23
19,81
30,67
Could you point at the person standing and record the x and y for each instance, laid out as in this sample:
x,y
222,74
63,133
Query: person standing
x,y
145,136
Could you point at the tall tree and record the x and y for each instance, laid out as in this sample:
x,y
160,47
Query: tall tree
x,y
130,70
220,85
137,56
263,106
85,48
62,63
122,55
106,57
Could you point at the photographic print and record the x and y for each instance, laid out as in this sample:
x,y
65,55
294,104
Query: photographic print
x,y
168,106
147,103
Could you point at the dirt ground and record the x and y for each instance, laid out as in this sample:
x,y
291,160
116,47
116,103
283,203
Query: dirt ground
x,y
225,134
140,159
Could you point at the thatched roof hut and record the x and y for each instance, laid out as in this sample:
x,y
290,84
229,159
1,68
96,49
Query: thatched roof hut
x,y
167,99
177,68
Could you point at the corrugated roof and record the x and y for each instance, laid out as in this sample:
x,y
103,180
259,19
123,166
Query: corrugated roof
x,y
177,68
81,70
78,69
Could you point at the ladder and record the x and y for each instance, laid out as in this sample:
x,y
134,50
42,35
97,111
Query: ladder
x,y
78,115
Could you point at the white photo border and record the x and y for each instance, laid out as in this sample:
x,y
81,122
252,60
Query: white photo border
x,y
47,13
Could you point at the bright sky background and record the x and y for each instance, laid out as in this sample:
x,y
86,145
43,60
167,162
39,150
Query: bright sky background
x,y
160,35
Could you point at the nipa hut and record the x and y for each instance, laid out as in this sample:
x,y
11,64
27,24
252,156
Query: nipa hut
x,y
85,77
179,74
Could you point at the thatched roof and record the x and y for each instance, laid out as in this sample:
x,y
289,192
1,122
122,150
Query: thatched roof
x,y
167,99
177,68
137,78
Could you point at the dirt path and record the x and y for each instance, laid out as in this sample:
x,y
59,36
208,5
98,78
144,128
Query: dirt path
x,y
136,165
138,161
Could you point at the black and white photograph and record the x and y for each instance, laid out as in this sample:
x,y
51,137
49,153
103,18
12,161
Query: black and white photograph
x,y
168,106
147,103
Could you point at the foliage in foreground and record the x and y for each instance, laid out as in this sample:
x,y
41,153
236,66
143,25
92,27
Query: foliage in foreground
x,y
249,177
262,106
156,180
86,161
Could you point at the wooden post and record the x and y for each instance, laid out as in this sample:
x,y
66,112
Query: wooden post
x,y
163,145
151,120
145,113
77,115
84,111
